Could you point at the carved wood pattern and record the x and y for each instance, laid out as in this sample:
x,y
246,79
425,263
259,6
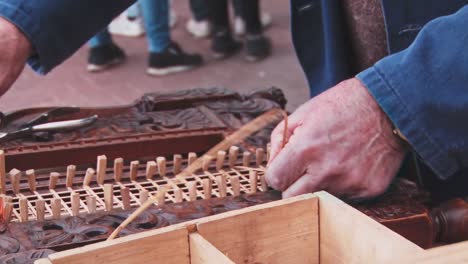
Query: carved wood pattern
x,y
203,111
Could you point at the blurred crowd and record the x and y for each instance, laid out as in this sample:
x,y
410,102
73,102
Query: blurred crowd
x,y
209,19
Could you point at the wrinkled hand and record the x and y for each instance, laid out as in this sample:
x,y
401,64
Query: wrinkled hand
x,y
340,141
15,49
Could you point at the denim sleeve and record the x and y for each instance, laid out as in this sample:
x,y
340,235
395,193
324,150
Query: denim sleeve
x,y
57,28
424,91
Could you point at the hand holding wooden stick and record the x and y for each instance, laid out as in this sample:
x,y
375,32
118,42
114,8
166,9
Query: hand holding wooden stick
x,y
248,129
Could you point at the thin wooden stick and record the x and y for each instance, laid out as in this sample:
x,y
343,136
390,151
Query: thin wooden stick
x,y
54,176
15,176
134,170
178,195
263,183
108,197
161,166
101,167
207,188
177,163
259,156
192,187
253,181
75,203
233,153
118,169
71,171
206,162
23,206
40,210
192,156
235,185
7,210
91,204
56,205
31,180
151,168
246,157
125,195
144,194
161,196
220,159
88,177
136,213
221,182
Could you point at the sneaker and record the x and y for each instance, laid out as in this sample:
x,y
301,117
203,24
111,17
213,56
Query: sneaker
x,y
239,23
223,45
127,26
103,57
257,47
199,29
172,60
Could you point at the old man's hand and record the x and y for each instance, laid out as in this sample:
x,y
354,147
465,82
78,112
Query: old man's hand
x,y
340,141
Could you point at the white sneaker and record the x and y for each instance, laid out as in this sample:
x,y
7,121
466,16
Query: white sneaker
x,y
239,23
129,28
200,29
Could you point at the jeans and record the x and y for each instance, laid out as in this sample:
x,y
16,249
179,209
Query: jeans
x,y
200,10
156,20
249,10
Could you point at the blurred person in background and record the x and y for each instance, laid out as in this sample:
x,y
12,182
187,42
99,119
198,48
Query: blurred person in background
x,y
165,56
223,45
130,22
200,25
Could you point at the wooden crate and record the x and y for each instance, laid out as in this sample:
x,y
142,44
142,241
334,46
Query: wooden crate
x,y
313,228
454,253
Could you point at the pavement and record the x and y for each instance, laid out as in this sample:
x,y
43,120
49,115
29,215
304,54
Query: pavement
x,y
70,83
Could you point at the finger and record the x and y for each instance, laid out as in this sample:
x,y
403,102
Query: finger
x,y
278,136
276,140
286,168
305,184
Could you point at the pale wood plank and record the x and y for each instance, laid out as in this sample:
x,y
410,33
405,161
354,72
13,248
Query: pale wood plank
x,y
203,252
278,232
455,253
167,245
349,236
42,261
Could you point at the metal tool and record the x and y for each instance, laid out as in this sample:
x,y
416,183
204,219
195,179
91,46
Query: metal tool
x,y
48,127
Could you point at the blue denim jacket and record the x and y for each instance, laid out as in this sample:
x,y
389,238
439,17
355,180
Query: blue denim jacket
x,y
57,28
422,86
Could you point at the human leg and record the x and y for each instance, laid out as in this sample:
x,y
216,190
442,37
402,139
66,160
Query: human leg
x,y
199,26
166,56
156,20
264,18
199,9
257,46
103,52
100,39
223,45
